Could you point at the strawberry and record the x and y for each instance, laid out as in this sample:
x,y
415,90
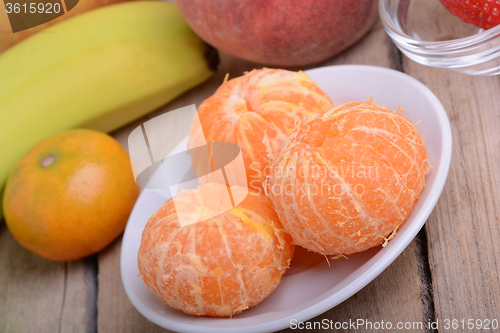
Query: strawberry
x,y
484,14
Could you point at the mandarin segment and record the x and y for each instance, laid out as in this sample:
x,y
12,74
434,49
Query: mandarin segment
x,y
347,178
216,267
258,111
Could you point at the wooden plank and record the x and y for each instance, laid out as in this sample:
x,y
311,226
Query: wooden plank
x,y
79,301
464,230
115,312
374,49
38,295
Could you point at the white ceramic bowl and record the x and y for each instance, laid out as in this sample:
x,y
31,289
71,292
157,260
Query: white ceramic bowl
x,y
311,287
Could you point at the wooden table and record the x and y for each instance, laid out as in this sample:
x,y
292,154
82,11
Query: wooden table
x,y
450,271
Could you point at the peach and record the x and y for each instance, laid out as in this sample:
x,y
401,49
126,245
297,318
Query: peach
x,y
280,33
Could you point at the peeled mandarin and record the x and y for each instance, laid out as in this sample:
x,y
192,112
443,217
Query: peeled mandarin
x,y
257,111
347,178
220,265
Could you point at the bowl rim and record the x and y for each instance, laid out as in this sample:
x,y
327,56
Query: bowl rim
x,y
359,282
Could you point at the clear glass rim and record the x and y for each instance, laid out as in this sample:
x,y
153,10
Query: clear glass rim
x,y
459,44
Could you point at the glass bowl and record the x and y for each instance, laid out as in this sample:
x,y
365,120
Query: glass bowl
x,y
427,33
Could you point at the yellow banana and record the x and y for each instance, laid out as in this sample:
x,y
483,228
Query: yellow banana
x,y
99,70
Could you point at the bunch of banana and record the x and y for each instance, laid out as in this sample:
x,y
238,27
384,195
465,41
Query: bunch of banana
x,y
99,70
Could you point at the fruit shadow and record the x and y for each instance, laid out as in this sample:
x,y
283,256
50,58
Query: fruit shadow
x,y
304,259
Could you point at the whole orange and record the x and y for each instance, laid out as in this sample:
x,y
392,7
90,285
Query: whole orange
x,y
71,195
